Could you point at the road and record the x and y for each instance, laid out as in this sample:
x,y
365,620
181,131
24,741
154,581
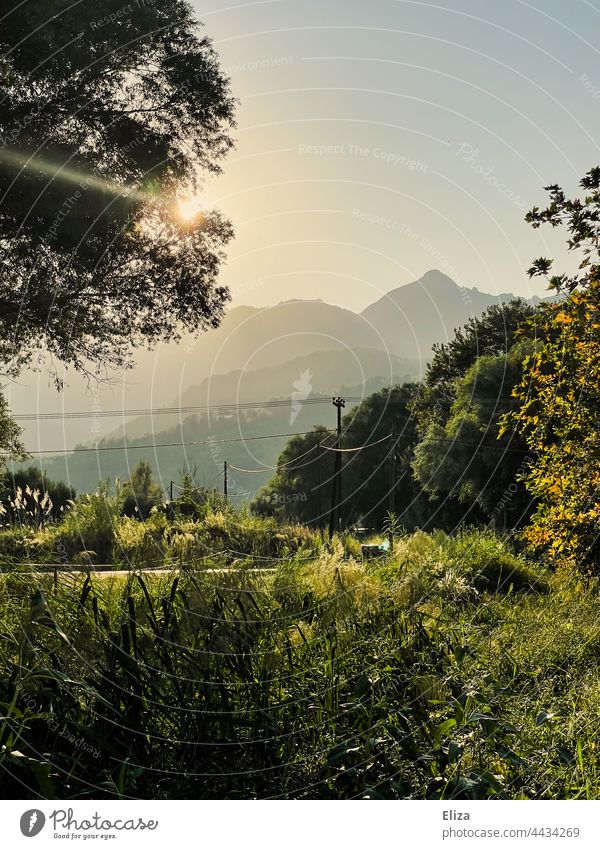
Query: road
x,y
107,572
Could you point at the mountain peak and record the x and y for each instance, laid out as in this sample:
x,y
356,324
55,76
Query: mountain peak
x,y
434,284
415,316
436,279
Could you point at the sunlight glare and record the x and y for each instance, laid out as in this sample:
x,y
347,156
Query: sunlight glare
x,y
191,206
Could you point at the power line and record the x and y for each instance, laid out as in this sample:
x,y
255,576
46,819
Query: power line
x,y
275,468
195,487
162,411
154,445
396,438
353,450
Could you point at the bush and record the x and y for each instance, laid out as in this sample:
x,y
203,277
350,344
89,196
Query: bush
x,y
419,676
27,497
88,530
489,565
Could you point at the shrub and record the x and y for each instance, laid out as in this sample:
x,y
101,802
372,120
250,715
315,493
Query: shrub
x,y
489,565
27,497
90,524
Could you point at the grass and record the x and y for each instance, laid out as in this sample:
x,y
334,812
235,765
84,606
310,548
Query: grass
x,y
452,669
94,532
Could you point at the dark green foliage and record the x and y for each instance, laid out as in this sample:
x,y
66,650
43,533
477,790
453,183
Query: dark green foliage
x,y
23,507
492,334
197,501
466,458
11,445
490,566
301,490
96,142
141,492
439,674
467,389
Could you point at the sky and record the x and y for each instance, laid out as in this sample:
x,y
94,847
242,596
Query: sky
x,y
376,141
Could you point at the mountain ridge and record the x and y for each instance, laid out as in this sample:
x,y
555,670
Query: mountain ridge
x,y
411,318
403,323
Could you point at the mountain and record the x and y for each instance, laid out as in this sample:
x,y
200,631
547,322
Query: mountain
x,y
355,374
324,373
248,340
413,317
293,349
272,335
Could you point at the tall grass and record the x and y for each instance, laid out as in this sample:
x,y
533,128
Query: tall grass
x,y
94,532
453,669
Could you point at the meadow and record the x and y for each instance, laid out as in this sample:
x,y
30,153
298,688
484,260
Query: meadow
x,y
261,662
184,649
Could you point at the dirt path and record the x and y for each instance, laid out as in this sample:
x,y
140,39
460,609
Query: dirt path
x,y
124,573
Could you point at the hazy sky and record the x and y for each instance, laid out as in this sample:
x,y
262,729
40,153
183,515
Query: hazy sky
x,y
379,140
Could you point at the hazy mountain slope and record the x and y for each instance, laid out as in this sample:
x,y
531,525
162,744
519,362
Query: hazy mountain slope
x,y
324,373
247,359
248,340
283,332
83,470
413,317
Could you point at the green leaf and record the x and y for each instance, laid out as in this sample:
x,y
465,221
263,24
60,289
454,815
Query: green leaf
x,y
512,757
566,756
362,687
444,727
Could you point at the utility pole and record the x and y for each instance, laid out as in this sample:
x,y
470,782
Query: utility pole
x,y
319,488
225,479
339,404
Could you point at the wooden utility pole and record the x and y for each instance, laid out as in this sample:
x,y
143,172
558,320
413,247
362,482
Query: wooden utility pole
x,y
225,479
336,498
321,529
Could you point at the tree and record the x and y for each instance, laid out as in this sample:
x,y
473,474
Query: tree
x,y
11,446
582,220
559,397
301,489
464,458
195,500
141,492
467,388
491,334
109,115
367,473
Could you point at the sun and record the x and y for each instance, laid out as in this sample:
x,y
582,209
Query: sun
x,y
190,206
